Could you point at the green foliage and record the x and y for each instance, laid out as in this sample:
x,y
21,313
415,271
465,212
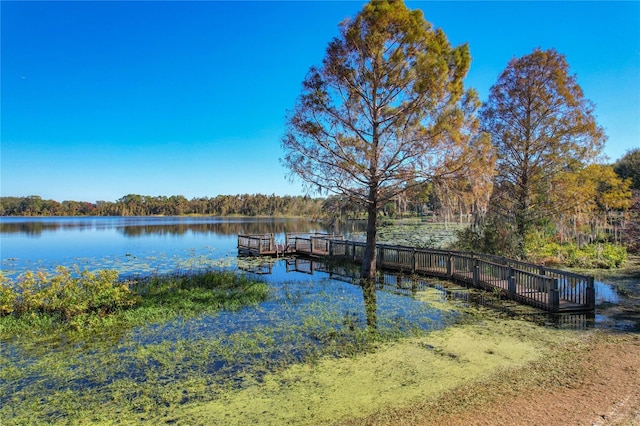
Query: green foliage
x,y
92,302
595,255
8,296
189,294
495,237
540,247
628,167
175,205
64,294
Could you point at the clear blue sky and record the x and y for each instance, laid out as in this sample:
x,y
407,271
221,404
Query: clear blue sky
x,y
103,99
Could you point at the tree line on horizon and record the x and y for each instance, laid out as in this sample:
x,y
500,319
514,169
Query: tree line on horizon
x,y
175,205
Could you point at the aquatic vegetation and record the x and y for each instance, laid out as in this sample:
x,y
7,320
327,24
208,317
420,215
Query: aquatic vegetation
x,y
92,302
416,233
395,375
183,345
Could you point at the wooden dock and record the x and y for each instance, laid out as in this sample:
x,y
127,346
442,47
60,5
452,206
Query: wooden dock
x,y
550,289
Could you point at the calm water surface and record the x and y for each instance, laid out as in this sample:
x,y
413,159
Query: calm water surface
x,y
132,245
147,245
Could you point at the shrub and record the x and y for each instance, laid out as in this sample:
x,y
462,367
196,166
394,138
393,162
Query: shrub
x,y
65,294
495,238
595,255
8,296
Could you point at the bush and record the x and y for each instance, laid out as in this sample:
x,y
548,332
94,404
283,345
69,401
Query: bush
x,y
595,255
8,296
64,294
493,238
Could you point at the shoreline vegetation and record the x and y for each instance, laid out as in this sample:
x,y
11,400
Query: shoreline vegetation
x,y
79,300
241,205
424,232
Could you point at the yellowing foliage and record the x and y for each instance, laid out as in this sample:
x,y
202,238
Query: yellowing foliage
x,y
64,293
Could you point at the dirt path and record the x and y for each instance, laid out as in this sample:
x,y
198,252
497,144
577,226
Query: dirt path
x,y
610,395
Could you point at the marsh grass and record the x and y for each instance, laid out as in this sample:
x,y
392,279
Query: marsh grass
x,y
227,349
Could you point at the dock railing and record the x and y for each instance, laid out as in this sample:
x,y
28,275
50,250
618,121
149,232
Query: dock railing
x,y
551,289
257,244
314,244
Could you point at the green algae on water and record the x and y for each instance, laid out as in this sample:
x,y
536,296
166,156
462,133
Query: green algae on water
x,y
393,376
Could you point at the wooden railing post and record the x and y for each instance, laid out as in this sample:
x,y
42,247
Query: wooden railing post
x,y
590,293
450,265
476,272
511,282
413,261
554,295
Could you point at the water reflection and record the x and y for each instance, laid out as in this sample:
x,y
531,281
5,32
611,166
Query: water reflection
x,y
133,245
143,226
441,292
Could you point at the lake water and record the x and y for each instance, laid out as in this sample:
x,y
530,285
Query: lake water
x,y
132,245
148,245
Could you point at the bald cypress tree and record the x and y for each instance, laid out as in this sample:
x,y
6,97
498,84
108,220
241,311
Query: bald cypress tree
x,y
541,125
387,110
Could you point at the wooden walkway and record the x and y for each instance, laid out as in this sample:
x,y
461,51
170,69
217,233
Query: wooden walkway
x,y
550,289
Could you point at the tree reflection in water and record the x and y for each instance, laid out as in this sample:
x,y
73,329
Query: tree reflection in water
x,y
370,304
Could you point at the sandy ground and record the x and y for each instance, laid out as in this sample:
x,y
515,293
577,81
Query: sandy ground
x,y
610,395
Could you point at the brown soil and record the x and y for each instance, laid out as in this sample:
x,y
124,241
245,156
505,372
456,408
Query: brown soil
x,y
608,394
596,382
